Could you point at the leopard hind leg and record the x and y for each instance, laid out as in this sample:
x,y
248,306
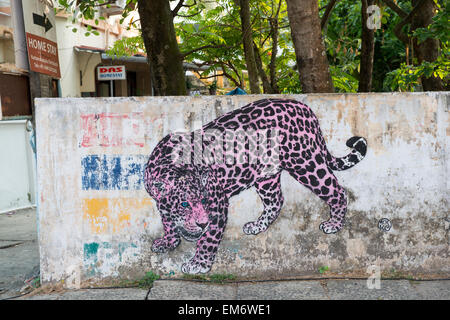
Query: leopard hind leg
x,y
321,180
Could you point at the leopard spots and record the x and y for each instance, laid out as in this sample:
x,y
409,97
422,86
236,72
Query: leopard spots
x,y
193,197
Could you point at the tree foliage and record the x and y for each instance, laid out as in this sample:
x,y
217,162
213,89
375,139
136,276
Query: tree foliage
x,y
210,35
407,76
217,31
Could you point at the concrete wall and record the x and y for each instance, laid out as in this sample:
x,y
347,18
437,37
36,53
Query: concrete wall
x,y
97,222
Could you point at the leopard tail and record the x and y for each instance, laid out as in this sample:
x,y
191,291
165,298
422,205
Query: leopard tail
x,y
359,146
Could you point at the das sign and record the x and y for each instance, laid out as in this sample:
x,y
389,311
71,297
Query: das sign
x,y
111,73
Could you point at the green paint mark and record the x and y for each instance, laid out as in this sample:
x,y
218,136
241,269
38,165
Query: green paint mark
x,y
90,251
123,246
106,245
90,257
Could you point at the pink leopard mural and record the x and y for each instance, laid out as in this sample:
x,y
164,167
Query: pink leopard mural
x,y
192,176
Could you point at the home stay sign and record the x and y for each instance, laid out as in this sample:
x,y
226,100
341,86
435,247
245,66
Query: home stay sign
x,y
111,73
40,30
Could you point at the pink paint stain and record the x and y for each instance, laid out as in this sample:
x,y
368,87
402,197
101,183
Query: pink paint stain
x,y
112,130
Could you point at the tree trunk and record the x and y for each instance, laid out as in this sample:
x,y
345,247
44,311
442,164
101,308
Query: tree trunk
x,y
309,48
249,53
273,57
162,49
367,50
429,49
265,81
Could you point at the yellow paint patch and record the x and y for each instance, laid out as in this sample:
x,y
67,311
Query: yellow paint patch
x,y
111,215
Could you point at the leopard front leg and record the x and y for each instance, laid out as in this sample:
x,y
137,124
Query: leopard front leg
x,y
207,246
269,190
169,241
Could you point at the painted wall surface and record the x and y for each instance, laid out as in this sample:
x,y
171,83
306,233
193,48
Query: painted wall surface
x,y
17,166
96,220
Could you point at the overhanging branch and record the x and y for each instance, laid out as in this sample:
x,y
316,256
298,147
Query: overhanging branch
x,y
177,8
214,75
327,13
208,46
395,8
407,19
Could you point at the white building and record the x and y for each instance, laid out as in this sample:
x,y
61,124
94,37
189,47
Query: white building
x,y
80,55
17,170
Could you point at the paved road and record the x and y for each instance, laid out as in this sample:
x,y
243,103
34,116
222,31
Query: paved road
x,y
268,290
19,251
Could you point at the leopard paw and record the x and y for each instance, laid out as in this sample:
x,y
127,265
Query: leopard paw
x,y
331,226
159,246
162,245
194,267
253,228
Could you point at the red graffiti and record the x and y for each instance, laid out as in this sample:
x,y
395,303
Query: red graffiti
x,y
112,130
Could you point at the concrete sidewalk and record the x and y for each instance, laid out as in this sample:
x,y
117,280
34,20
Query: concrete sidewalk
x,y
265,290
19,251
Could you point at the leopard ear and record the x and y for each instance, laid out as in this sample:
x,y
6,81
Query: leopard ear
x,y
157,189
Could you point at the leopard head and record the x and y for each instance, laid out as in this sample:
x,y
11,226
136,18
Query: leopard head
x,y
182,199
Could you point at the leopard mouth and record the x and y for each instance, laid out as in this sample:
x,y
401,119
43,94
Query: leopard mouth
x,y
191,236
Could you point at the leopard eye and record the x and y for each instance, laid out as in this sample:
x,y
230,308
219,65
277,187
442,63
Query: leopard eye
x,y
185,204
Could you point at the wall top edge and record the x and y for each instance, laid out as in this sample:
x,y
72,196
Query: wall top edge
x,y
39,101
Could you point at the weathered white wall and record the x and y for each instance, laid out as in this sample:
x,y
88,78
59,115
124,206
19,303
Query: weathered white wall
x,y
17,166
94,226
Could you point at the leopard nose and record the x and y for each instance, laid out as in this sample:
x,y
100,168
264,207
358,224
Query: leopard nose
x,y
201,225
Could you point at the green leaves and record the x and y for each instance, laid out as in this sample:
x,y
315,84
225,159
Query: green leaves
x,y
323,269
210,32
89,10
218,26
90,30
407,77
148,279
126,47
343,45
343,81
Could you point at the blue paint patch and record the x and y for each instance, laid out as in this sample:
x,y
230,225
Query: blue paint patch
x,y
112,172
90,176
